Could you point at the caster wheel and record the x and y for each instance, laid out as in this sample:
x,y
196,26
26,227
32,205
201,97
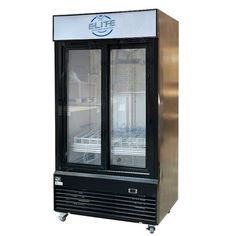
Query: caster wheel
x,y
151,228
62,217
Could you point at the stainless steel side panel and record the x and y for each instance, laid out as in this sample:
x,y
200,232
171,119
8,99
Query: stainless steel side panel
x,y
168,112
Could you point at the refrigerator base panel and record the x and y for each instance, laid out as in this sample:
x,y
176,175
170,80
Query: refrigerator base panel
x,y
106,198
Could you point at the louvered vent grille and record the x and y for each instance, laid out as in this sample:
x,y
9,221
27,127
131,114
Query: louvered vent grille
x,y
131,208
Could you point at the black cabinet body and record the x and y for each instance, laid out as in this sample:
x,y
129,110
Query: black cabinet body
x,y
116,101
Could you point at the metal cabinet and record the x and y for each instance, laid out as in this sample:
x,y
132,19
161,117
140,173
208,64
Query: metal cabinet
x,y
116,87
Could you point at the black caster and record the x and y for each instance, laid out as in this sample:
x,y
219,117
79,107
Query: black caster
x,y
62,216
151,228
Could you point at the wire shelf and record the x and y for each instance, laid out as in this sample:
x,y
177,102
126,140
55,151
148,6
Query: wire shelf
x,y
131,142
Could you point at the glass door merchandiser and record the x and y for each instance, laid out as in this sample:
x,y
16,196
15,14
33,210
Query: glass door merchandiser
x,y
116,92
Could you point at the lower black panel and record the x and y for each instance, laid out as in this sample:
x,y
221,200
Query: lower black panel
x,y
106,204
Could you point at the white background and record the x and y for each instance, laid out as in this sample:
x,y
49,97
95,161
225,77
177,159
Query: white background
x,y
207,156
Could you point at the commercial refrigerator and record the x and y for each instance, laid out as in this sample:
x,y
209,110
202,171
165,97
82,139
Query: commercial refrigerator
x,y
116,107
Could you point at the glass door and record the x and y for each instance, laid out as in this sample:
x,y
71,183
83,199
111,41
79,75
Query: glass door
x,y
105,122
84,106
128,107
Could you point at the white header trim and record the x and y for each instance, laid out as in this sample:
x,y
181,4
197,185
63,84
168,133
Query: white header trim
x,y
105,25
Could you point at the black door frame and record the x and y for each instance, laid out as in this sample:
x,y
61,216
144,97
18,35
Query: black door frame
x,y
61,61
